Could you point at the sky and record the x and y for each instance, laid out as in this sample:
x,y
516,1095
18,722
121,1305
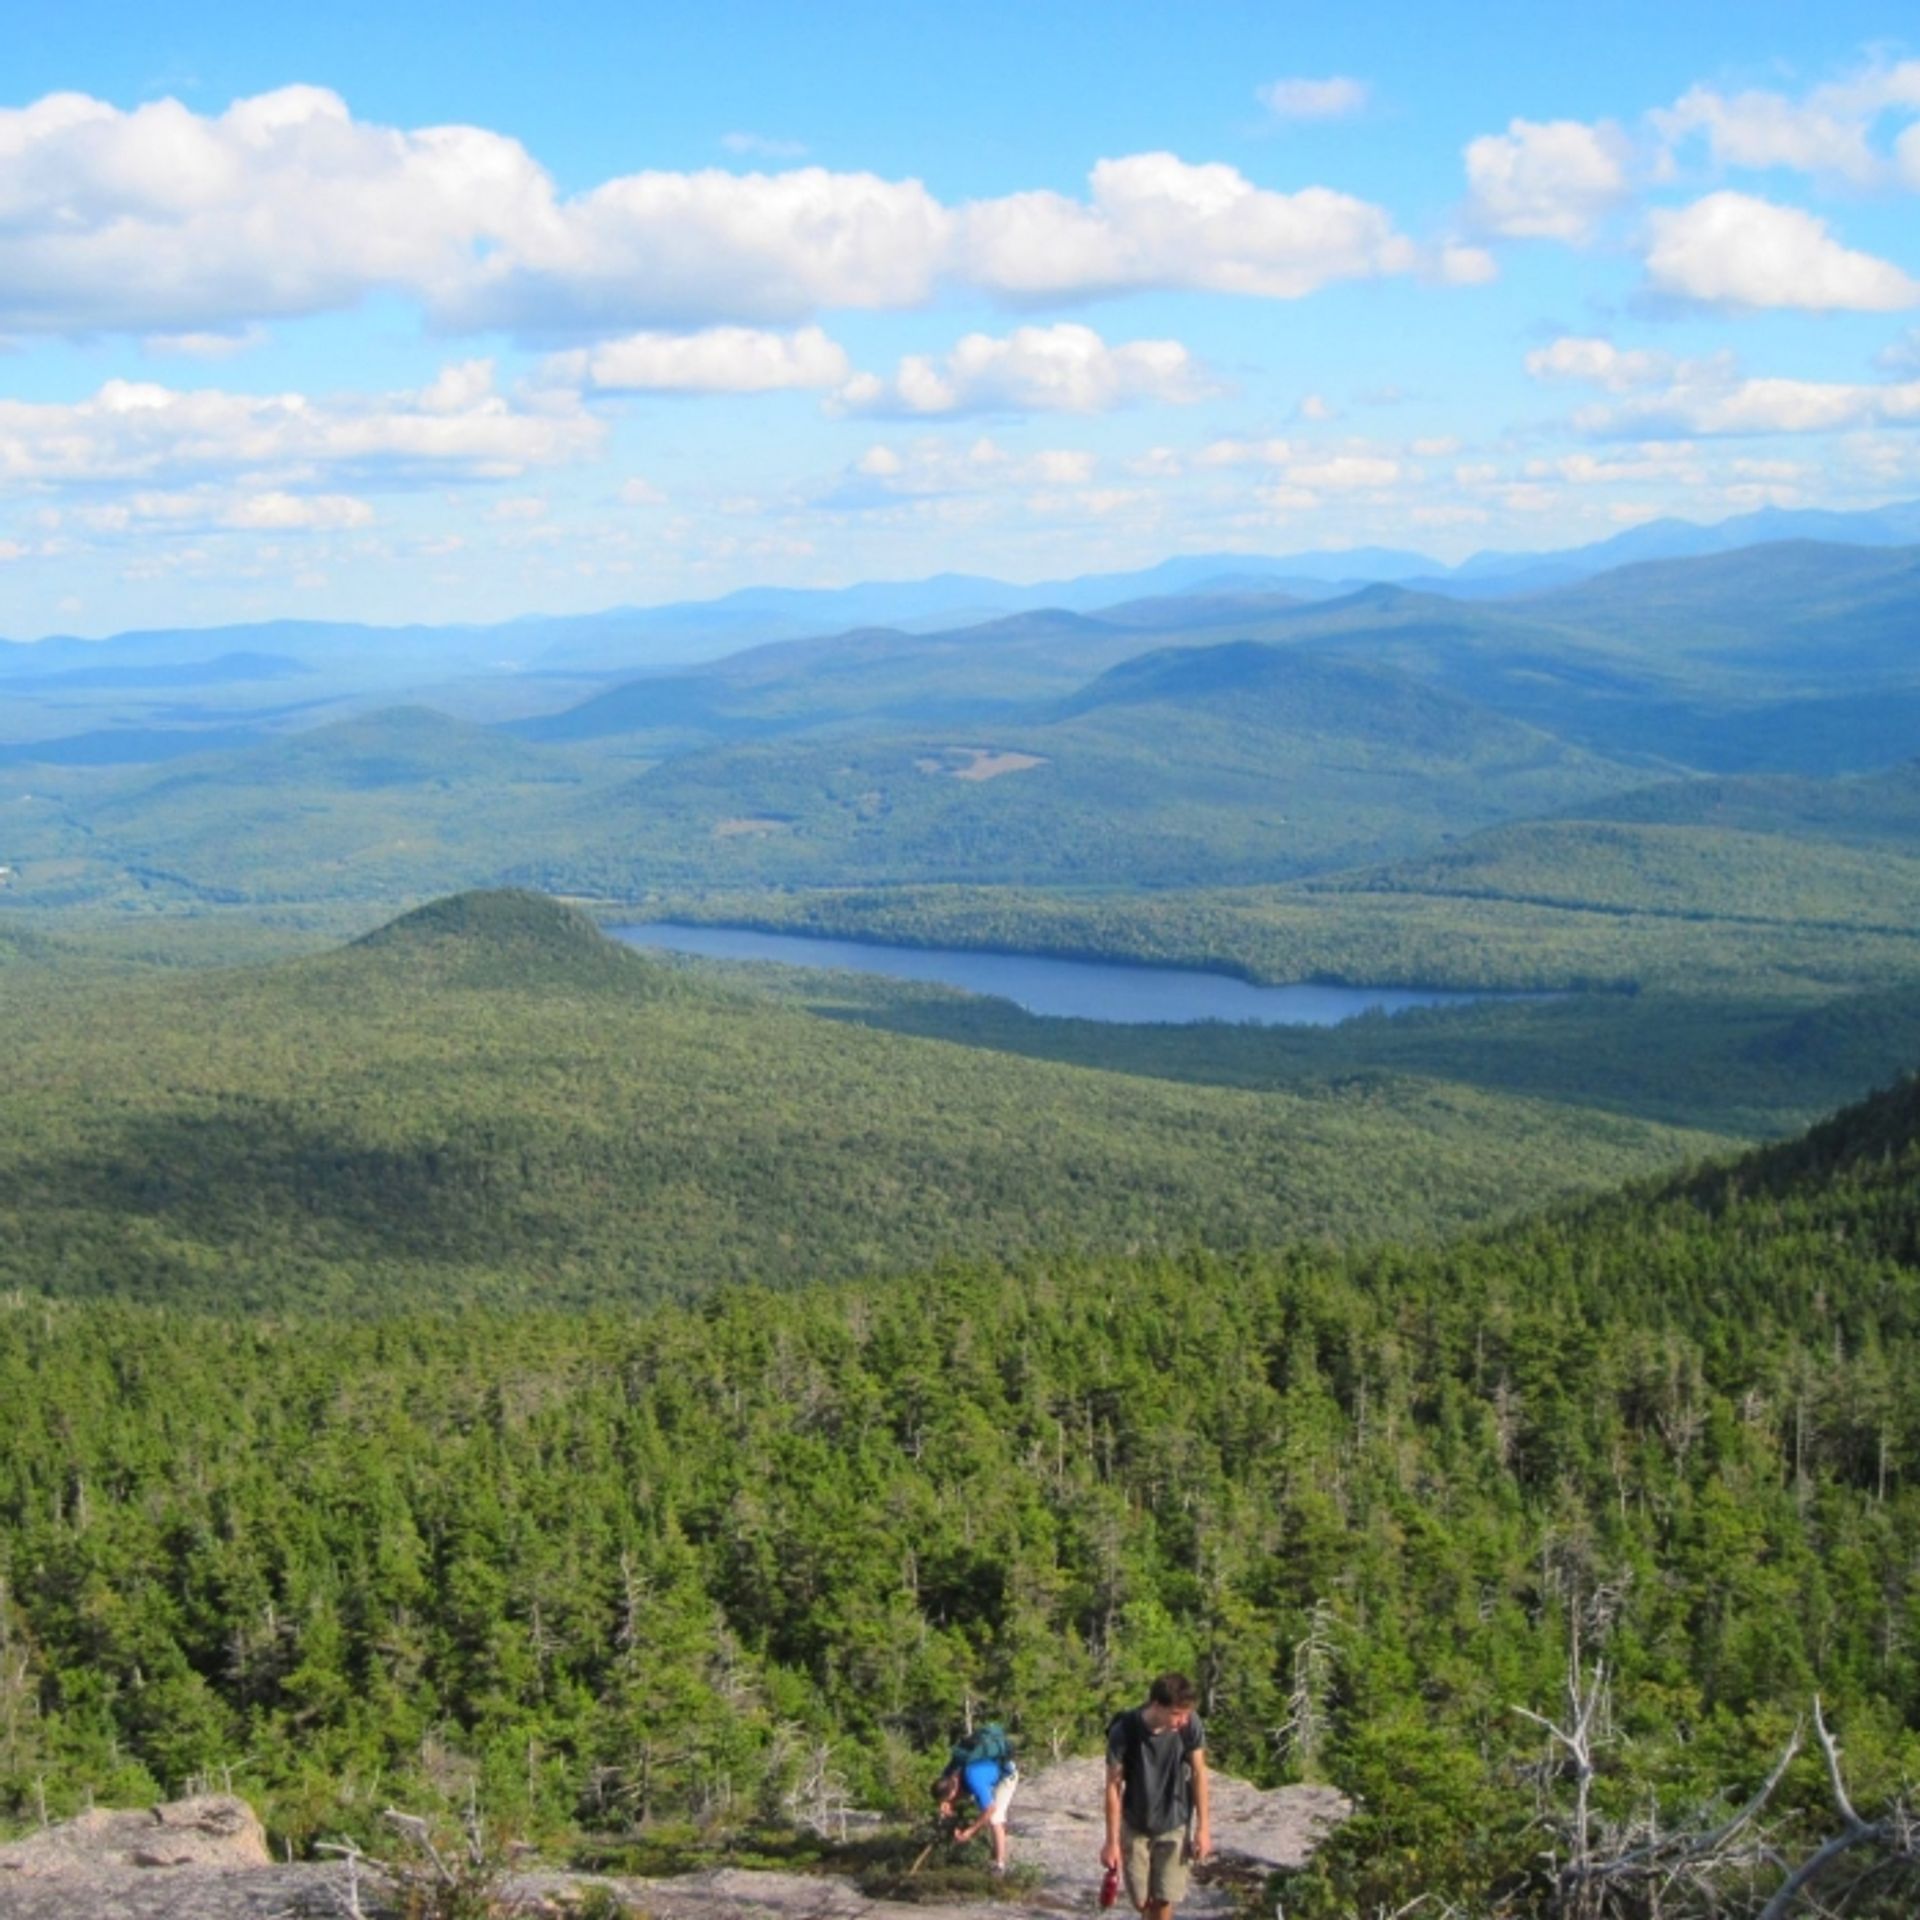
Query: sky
x,y
452,313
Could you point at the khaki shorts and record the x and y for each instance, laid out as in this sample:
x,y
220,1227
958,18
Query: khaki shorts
x,y
1002,1800
1156,1865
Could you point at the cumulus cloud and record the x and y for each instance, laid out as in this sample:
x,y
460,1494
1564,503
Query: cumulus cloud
x,y
1599,363
1546,180
139,431
679,249
1154,220
714,360
1661,395
1058,369
1335,98
168,222
164,220
1705,400
1731,249
1828,131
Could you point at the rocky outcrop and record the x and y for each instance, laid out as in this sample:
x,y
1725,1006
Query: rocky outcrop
x,y
200,1859
206,1859
215,1830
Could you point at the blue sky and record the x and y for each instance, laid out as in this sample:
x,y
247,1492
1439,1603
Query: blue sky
x,y
449,313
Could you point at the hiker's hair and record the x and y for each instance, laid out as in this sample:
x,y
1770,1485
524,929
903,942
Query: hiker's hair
x,y
1171,1690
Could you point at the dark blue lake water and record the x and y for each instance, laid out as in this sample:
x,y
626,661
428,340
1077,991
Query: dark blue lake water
x,y
1073,989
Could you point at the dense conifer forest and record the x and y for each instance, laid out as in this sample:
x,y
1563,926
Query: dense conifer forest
x,y
611,1569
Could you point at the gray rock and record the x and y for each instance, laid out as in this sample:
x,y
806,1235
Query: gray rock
x,y
214,1830
206,1859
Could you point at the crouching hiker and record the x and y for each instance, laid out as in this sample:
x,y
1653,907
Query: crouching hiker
x,y
984,1766
1156,1785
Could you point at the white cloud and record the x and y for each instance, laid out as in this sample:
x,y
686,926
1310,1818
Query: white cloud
x,y
206,346
1058,369
1710,396
1154,220
641,493
930,468
1463,266
763,146
216,508
1706,399
1600,363
1335,98
1901,355
1546,180
714,360
1906,158
139,431
1245,453
1827,132
1315,406
523,508
1344,472
165,220
1732,249
1759,130
1157,463
679,249
287,513
1456,515
171,223
1673,463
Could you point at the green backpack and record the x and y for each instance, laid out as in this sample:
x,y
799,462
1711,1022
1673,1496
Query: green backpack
x,y
987,1743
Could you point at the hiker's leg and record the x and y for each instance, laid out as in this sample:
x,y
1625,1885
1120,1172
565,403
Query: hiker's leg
x,y
1169,1879
1136,1859
997,1815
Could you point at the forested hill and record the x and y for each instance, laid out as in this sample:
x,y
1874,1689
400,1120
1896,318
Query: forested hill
x,y
604,1568
490,1101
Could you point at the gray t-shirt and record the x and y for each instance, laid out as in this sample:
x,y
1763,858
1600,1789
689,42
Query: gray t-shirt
x,y
1156,1769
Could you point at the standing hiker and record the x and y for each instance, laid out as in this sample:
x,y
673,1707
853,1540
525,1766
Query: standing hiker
x,y
984,1765
1156,1784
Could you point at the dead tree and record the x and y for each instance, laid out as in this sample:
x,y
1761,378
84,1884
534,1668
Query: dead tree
x,y
1894,1837
1717,1863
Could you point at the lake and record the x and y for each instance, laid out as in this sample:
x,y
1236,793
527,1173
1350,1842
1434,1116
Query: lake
x,y
1071,989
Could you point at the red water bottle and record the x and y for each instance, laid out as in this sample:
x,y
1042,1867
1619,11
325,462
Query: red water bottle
x,y
1110,1887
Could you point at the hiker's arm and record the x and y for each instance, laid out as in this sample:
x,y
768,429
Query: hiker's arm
x,y
1110,1853
1202,1805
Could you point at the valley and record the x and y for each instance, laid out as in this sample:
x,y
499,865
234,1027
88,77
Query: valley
x,y
805,1349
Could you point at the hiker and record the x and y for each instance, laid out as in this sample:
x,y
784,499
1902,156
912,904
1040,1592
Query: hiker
x,y
984,1765
1156,1783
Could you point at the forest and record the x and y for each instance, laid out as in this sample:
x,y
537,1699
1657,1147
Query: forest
x,y
445,1354
490,1101
616,1571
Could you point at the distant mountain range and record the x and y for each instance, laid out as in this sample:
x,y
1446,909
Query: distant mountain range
x,y
628,639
